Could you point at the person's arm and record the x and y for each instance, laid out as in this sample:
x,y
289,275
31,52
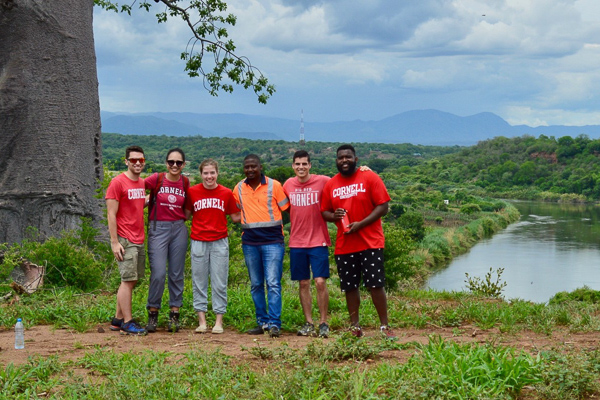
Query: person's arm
x,y
236,217
376,214
187,213
112,207
333,216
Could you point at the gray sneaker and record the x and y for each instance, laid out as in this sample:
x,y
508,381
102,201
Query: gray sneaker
x,y
324,330
307,329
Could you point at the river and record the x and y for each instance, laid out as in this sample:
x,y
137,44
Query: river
x,y
552,248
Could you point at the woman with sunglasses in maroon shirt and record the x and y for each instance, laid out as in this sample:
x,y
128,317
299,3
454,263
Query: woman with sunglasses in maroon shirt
x,y
167,238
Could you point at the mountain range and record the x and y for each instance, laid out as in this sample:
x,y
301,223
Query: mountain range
x,y
425,127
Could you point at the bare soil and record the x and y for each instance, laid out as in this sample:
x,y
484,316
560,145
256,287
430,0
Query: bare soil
x,y
69,345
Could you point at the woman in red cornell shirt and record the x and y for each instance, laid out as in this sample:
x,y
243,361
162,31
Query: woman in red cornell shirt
x,y
209,203
167,238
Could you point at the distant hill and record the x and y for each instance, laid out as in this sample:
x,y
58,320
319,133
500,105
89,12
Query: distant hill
x,y
426,127
254,135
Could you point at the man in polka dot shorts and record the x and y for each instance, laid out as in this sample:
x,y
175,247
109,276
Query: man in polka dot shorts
x,y
356,200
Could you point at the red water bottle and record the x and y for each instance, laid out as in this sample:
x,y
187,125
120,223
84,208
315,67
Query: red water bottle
x,y
345,222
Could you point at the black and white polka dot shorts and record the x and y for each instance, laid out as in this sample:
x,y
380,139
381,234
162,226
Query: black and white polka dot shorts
x,y
368,263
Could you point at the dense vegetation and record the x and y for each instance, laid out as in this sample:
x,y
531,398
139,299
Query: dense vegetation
x,y
543,167
276,155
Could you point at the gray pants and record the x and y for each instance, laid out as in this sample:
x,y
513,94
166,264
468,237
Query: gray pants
x,y
210,259
169,241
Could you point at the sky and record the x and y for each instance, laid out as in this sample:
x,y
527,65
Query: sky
x,y
533,62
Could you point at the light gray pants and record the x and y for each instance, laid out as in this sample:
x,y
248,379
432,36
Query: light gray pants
x,y
168,242
210,259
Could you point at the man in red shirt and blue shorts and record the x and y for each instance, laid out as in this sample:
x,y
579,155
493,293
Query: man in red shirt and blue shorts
x,y
356,200
309,241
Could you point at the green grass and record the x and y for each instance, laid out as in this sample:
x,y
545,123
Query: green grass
x,y
437,370
339,368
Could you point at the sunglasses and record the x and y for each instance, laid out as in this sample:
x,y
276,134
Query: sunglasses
x,y
136,160
179,163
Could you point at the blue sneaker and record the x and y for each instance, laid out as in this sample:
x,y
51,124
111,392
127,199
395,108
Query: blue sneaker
x,y
133,328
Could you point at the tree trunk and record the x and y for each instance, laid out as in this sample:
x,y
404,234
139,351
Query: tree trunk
x,y
50,144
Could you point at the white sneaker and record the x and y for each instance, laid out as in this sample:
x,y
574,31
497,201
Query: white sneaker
x,y
201,328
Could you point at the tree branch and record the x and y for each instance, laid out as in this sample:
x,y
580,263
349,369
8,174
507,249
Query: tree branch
x,y
210,31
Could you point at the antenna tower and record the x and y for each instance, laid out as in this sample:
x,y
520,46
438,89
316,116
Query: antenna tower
x,y
302,142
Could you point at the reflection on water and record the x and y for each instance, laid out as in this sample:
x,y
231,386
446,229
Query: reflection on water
x,y
553,248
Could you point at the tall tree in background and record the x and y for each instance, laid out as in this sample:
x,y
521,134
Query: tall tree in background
x,y
50,144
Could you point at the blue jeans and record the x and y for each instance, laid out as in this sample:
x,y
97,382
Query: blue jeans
x,y
265,265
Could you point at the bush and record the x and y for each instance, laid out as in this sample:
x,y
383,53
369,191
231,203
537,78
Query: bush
x,y
72,259
414,223
399,264
584,295
486,287
470,208
396,210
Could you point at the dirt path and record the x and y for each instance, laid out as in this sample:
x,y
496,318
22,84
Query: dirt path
x,y
68,345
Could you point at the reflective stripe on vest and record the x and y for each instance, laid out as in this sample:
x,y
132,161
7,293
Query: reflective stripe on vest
x,y
265,224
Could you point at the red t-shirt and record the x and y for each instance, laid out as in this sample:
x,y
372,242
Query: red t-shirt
x,y
170,199
131,196
209,208
307,226
358,194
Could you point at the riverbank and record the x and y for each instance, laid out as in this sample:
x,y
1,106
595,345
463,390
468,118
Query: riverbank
x,y
440,245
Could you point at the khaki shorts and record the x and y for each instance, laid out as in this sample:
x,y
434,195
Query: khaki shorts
x,y
134,262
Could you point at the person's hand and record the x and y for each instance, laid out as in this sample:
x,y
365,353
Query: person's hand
x,y
118,251
353,227
339,213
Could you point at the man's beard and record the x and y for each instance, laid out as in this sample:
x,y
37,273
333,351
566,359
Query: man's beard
x,y
350,171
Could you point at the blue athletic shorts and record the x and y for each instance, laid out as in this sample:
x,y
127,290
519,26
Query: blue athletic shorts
x,y
302,260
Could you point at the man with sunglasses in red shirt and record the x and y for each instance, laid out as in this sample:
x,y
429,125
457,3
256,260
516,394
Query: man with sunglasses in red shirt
x,y
125,200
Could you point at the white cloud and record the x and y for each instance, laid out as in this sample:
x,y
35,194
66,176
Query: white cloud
x,y
533,60
545,117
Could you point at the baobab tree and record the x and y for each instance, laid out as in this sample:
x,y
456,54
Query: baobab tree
x,y
50,142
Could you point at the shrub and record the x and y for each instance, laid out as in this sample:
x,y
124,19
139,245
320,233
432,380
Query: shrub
x,y
470,208
486,287
414,223
399,263
584,295
72,259
396,210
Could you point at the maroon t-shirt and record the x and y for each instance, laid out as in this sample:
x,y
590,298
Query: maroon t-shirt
x,y
169,200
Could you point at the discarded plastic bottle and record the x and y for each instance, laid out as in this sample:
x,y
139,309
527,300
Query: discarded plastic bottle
x,y
19,335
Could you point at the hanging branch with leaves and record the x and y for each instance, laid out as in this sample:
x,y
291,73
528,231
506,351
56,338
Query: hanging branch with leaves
x,y
207,22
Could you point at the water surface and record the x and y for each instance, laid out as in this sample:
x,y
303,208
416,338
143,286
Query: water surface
x,y
552,248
